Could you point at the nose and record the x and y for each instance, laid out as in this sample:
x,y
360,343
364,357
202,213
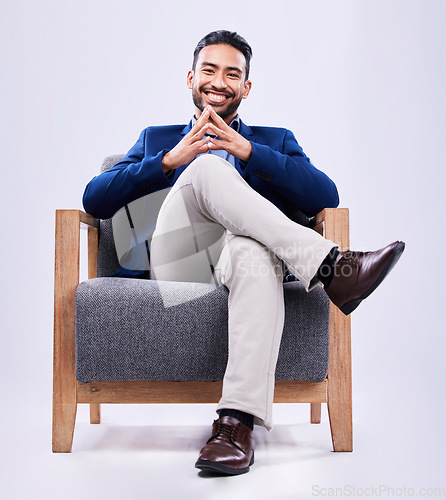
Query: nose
x,y
218,80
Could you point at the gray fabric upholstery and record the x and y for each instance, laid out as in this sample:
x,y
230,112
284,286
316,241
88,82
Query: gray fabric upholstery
x,y
107,258
124,332
111,161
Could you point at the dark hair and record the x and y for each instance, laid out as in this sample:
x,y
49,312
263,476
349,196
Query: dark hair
x,y
224,37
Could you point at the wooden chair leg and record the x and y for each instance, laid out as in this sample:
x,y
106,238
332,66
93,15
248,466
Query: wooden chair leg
x,y
340,382
315,417
64,417
335,226
95,408
66,278
95,413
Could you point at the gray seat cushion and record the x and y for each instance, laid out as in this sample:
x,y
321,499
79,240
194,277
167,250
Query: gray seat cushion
x,y
125,332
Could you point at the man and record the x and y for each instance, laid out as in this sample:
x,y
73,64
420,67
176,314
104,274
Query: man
x,y
225,221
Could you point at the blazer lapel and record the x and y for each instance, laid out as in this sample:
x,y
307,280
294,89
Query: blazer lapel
x,y
187,128
245,131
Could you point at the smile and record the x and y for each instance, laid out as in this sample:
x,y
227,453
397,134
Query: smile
x,y
216,98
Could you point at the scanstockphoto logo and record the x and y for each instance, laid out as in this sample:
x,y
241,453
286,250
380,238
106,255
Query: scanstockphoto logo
x,y
376,490
187,253
210,261
192,248
133,228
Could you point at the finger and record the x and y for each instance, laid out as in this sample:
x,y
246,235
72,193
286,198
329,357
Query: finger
x,y
197,131
199,134
203,149
213,129
203,142
201,130
218,120
215,144
203,146
204,118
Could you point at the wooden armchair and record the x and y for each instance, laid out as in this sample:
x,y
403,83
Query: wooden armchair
x,y
335,390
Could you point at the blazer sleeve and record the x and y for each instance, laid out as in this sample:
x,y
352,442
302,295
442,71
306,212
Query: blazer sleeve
x,y
290,173
134,176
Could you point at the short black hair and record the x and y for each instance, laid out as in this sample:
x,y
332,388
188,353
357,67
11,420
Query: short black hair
x,y
224,37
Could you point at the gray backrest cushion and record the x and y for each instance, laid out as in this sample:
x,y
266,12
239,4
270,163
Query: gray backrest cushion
x,y
110,161
108,262
107,258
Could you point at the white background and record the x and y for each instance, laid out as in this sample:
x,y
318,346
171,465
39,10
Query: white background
x,y
362,85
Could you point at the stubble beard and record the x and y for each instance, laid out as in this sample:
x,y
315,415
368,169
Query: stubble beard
x,y
223,112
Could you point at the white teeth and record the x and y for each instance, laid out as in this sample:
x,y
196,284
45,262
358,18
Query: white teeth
x,y
216,97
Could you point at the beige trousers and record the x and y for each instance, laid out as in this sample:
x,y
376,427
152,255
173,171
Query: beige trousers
x,y
214,228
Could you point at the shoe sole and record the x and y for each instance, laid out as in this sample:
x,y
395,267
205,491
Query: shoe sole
x,y
208,466
350,306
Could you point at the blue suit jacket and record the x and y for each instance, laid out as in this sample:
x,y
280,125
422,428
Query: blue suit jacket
x,y
278,169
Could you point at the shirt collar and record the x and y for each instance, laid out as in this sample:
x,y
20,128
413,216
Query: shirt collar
x,y
235,124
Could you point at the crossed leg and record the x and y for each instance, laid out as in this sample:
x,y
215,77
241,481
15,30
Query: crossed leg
x,y
209,198
214,228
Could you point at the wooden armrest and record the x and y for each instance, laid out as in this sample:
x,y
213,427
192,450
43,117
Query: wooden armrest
x,y
88,219
83,217
68,224
333,224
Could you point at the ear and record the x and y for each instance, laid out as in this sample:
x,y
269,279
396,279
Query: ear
x,y
246,89
190,78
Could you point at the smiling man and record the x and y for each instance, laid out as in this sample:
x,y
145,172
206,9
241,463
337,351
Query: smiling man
x,y
219,80
227,220
234,84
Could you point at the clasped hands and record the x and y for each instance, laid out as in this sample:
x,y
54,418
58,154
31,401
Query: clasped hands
x,y
196,142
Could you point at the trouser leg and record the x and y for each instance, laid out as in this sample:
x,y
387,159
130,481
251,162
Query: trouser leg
x,y
214,194
209,206
253,275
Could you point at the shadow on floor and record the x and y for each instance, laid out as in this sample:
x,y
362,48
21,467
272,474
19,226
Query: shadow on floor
x,y
283,440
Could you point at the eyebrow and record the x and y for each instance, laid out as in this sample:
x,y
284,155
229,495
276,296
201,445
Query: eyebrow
x,y
230,68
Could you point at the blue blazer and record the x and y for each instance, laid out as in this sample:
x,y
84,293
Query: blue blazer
x,y
278,169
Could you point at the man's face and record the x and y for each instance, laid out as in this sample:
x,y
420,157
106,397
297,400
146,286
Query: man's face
x,y
219,80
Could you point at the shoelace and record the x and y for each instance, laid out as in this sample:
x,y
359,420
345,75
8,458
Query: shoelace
x,y
352,258
229,431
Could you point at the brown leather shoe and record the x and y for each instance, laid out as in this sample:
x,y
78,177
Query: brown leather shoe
x,y
230,449
358,274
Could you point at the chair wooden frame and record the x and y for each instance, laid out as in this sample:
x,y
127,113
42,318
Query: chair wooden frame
x,y
335,390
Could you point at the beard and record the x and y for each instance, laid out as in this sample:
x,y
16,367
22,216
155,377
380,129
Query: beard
x,y
222,111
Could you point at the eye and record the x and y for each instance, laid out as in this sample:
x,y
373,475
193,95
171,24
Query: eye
x,y
234,75
207,70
